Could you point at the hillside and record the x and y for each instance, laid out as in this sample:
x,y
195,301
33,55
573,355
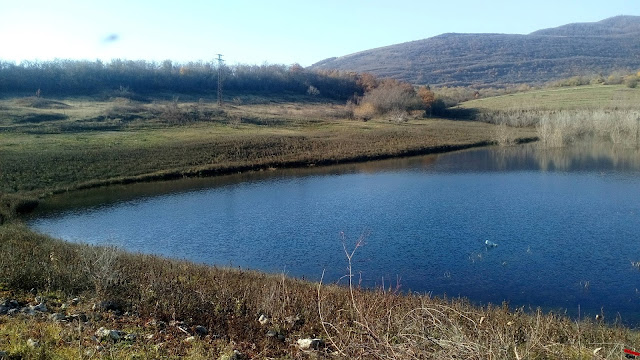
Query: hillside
x,y
498,59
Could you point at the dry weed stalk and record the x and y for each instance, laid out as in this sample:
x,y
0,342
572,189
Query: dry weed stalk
x,y
101,264
380,325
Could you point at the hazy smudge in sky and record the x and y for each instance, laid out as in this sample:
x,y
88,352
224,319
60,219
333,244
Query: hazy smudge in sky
x,y
111,38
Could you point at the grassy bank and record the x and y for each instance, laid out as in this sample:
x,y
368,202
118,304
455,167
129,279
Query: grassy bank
x,y
161,302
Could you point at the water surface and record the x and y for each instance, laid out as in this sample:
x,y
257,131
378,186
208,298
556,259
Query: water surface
x,y
567,224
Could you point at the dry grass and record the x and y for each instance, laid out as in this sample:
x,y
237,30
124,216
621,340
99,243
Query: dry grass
x,y
565,116
354,323
559,128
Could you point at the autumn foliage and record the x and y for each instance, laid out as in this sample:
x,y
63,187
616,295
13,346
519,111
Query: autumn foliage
x,y
427,96
390,97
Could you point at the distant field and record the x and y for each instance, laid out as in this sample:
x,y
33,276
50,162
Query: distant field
x,y
596,97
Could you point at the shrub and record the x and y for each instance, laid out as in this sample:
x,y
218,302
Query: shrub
x,y
427,96
313,91
365,111
367,82
452,96
397,115
438,107
631,81
614,80
392,95
574,81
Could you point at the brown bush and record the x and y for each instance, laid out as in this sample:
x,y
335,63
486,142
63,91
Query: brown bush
x,y
365,111
392,96
428,98
367,82
631,81
614,80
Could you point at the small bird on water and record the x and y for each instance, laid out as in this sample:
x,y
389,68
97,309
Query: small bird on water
x,y
490,243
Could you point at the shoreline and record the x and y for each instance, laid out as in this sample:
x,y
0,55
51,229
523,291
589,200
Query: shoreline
x,y
214,171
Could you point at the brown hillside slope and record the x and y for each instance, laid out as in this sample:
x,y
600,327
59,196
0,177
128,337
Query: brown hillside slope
x,y
498,59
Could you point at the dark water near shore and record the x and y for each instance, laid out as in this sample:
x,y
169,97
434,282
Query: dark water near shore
x,y
567,224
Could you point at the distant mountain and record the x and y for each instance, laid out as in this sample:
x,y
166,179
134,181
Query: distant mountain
x,y
499,59
618,25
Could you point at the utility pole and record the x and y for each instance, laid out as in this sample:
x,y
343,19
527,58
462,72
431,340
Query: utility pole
x,y
220,61
637,132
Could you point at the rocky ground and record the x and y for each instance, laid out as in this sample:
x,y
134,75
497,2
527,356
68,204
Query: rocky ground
x,y
89,328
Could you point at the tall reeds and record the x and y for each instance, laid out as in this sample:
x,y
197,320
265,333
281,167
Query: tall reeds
x,y
562,127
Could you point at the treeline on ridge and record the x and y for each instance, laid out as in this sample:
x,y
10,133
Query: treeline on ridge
x,y
81,77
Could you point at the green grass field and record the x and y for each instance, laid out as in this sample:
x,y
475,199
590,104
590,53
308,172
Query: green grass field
x,y
588,97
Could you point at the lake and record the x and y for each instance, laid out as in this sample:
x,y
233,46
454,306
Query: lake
x,y
566,223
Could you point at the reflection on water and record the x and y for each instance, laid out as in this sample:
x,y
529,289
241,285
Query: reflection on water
x,y
120,193
599,157
580,157
560,218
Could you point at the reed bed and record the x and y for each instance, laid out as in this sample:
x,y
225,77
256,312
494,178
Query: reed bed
x,y
564,116
559,128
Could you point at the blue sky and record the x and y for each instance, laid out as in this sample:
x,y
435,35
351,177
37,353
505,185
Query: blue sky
x,y
271,31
